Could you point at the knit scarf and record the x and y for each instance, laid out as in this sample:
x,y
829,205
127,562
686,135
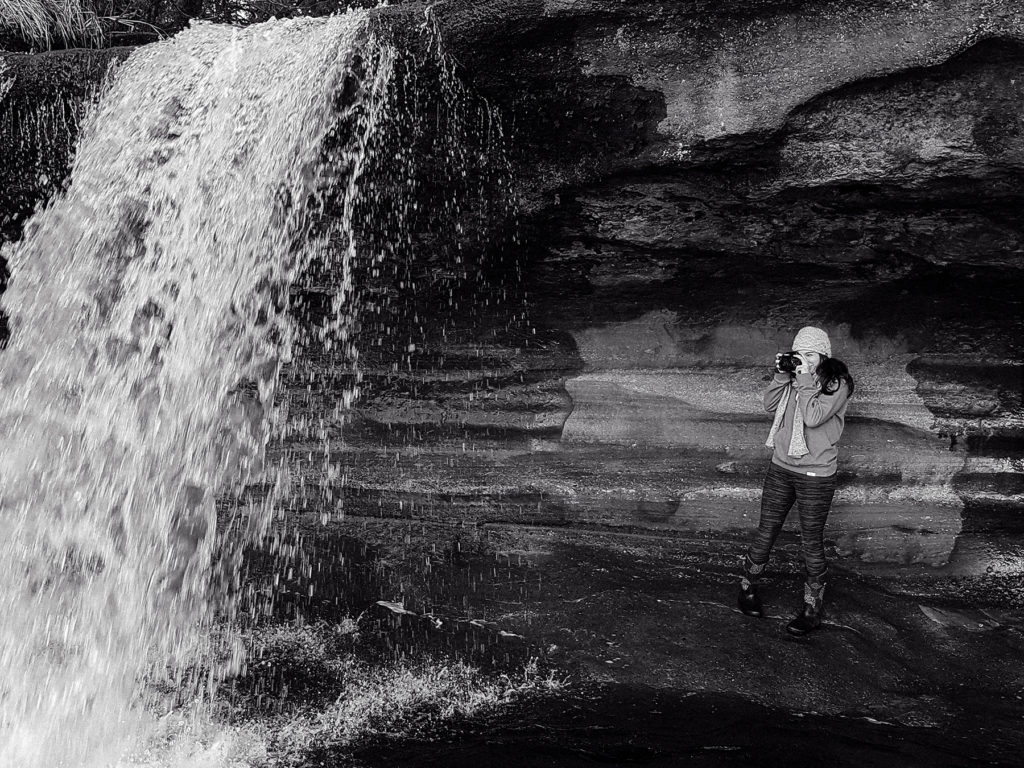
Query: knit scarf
x,y
797,444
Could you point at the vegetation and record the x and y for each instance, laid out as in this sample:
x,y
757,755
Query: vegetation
x,y
312,692
51,24
337,696
48,23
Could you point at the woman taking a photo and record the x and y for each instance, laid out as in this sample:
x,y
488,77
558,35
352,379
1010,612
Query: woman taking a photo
x,y
808,396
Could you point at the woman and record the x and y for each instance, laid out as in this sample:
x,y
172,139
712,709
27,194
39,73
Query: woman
x,y
810,410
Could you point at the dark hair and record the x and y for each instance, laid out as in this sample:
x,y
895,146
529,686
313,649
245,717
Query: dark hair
x,y
833,374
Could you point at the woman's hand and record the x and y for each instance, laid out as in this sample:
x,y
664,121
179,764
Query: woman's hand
x,y
808,361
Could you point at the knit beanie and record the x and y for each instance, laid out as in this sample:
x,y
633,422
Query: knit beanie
x,y
813,340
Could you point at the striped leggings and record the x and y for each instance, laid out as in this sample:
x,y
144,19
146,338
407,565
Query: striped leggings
x,y
813,497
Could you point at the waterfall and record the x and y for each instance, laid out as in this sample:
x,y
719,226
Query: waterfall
x,y
148,312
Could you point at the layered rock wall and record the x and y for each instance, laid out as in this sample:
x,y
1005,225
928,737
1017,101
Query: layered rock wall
x,y
697,180
702,179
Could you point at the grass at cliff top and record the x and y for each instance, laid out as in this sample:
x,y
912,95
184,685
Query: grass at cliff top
x,y
54,24
46,23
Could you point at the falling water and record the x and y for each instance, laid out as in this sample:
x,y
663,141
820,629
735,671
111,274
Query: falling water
x,y
148,327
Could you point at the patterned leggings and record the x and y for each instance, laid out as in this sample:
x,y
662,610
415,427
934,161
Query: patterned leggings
x,y
813,497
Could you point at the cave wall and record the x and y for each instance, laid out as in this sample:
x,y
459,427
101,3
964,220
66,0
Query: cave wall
x,y
694,182
698,181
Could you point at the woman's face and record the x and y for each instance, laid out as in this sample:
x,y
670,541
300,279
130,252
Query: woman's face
x,y
810,358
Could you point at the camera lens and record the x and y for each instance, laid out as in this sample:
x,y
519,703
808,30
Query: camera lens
x,y
788,363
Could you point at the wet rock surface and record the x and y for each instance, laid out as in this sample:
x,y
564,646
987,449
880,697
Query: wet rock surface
x,y
644,630
628,725
43,101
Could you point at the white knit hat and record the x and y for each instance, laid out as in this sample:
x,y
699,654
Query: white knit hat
x,y
813,340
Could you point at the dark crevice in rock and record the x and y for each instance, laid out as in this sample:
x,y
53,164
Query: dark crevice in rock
x,y
982,55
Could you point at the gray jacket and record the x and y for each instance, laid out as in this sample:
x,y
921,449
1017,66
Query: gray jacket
x,y
824,418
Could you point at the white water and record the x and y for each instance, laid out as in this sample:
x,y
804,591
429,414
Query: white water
x,y
147,307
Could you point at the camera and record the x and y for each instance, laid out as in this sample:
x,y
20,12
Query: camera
x,y
789,362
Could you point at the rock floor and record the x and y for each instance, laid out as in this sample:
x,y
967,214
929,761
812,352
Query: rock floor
x,y
661,667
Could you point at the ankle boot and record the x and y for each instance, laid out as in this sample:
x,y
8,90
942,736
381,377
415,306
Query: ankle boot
x,y
810,615
749,601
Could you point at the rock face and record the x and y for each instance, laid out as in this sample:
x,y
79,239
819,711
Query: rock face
x,y
699,180
696,181
605,84
43,99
